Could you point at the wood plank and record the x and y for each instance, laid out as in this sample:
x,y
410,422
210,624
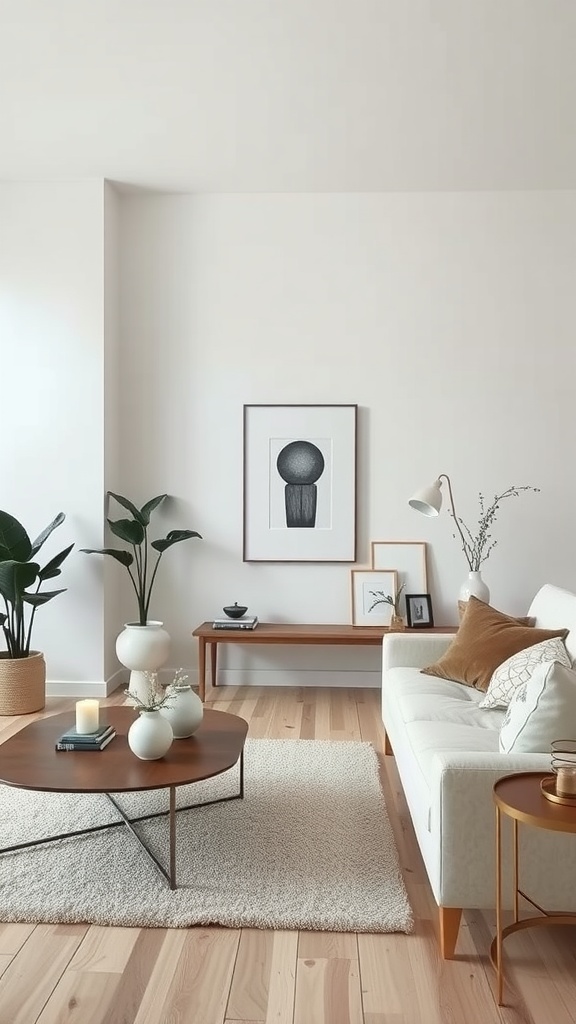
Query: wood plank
x,y
388,981
137,975
281,994
327,945
13,937
5,962
31,977
150,1004
105,949
251,978
328,992
81,996
200,980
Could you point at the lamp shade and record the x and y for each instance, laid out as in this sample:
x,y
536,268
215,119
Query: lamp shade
x,y
428,501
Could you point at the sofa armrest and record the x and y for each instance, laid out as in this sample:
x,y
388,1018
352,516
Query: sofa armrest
x,y
462,819
401,650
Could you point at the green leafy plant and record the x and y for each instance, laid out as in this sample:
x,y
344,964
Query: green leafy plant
x,y
138,562
18,574
478,545
382,598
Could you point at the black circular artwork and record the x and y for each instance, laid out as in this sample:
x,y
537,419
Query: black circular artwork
x,y
300,462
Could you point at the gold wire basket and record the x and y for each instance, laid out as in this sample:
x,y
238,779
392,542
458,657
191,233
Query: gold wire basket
x,y
562,787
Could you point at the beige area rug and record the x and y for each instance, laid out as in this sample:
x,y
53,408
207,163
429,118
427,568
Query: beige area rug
x,y
310,847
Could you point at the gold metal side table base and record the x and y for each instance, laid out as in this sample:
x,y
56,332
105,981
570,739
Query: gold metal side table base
x,y
518,926
520,797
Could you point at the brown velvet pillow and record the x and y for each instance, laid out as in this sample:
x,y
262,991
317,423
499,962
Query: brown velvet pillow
x,y
485,639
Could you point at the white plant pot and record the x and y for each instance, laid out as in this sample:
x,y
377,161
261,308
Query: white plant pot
x,y
150,736
142,649
184,712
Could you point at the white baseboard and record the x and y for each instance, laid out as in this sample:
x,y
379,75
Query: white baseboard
x,y
226,677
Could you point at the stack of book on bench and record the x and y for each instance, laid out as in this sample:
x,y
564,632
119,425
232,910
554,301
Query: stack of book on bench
x,y
246,622
72,740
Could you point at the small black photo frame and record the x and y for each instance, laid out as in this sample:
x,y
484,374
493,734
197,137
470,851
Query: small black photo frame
x,y
419,611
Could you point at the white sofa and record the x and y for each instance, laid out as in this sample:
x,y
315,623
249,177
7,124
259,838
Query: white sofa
x,y
448,759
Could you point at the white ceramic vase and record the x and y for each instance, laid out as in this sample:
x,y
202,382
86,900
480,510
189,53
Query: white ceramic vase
x,y
184,712
150,736
474,586
142,649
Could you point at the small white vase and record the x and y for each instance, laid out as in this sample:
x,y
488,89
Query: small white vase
x,y
142,649
150,736
184,712
474,586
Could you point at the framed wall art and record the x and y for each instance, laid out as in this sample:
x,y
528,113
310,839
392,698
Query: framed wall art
x,y
419,611
300,483
408,558
370,587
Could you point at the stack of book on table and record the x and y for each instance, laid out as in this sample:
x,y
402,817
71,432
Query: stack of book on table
x,y
246,622
72,740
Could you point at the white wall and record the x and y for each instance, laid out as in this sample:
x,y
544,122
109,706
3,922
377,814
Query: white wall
x,y
52,454
448,317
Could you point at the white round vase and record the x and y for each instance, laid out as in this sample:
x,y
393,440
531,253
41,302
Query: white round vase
x,y
142,649
150,736
474,586
184,712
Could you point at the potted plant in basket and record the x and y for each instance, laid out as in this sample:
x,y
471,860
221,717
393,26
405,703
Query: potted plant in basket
x,y
142,646
22,670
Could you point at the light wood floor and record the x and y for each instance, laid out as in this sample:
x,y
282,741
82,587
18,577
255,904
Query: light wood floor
x,y
52,974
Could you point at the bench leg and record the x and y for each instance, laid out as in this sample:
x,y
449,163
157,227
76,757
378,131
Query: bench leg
x,y
449,921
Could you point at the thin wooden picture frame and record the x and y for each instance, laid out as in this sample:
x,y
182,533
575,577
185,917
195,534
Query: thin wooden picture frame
x,y
368,608
300,471
419,611
408,558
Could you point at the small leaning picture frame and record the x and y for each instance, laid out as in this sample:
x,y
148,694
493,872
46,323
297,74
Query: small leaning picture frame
x,y
408,557
370,588
419,611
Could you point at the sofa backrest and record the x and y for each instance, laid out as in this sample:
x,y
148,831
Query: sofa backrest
x,y
554,608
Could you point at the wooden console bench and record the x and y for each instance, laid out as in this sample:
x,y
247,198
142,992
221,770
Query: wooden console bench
x,y
287,633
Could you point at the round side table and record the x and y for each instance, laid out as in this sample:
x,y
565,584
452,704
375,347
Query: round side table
x,y
520,797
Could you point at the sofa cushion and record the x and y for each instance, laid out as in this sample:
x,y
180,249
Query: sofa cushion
x,y
485,639
542,710
519,668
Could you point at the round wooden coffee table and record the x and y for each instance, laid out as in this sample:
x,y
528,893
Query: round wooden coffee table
x,y
29,760
520,797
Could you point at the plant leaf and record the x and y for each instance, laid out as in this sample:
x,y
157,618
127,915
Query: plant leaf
x,y
38,599
46,533
14,541
149,507
15,577
127,504
52,568
124,557
174,537
128,530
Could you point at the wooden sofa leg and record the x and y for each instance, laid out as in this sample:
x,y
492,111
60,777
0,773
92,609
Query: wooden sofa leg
x,y
449,920
387,748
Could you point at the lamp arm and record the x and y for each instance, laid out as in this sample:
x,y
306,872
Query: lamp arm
x,y
453,514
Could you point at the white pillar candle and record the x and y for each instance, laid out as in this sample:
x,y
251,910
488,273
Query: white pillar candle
x,y
87,715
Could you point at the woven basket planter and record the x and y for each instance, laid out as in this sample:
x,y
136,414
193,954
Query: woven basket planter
x,y
22,684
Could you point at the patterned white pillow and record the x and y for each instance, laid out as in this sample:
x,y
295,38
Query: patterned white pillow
x,y
519,668
541,710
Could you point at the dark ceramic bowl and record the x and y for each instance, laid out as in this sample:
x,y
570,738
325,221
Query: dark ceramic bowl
x,y
235,611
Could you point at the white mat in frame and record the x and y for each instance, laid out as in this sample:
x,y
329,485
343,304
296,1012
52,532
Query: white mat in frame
x,y
407,557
